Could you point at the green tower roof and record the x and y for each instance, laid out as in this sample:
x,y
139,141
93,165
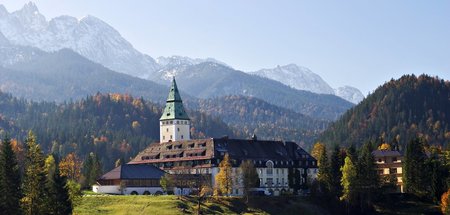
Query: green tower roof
x,y
174,105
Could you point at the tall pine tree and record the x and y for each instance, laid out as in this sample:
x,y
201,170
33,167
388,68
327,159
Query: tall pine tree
x,y
367,178
10,191
57,201
324,175
335,171
33,202
414,167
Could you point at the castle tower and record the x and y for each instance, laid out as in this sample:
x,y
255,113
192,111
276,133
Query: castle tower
x,y
174,123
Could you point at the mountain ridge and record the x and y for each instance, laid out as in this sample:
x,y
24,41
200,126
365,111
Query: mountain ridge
x,y
397,112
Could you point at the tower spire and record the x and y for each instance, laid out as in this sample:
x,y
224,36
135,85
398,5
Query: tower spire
x,y
174,122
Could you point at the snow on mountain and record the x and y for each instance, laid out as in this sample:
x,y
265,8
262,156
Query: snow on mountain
x,y
175,66
350,94
89,36
11,54
300,78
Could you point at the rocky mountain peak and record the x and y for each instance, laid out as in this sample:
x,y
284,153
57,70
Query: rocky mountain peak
x,y
89,36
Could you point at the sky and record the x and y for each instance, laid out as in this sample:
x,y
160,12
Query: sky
x,y
356,42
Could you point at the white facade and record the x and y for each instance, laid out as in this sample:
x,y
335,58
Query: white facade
x,y
115,189
174,130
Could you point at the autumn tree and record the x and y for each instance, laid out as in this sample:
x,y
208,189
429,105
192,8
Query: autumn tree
x,y
10,190
70,167
57,196
250,178
224,179
317,151
33,202
348,181
445,202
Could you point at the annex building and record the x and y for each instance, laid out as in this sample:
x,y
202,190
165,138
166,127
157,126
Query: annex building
x,y
279,164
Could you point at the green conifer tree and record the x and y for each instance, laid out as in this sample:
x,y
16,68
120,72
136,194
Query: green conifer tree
x,y
335,171
10,190
324,176
33,202
57,201
414,166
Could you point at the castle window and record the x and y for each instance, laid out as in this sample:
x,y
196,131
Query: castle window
x,y
269,165
164,137
182,137
178,129
167,129
170,136
171,122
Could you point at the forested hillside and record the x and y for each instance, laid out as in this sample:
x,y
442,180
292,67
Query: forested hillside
x,y
250,116
397,112
113,126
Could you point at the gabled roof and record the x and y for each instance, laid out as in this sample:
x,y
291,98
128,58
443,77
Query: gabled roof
x,y
131,171
174,105
386,153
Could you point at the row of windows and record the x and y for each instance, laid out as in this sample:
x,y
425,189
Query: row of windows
x,y
177,122
142,183
289,163
171,137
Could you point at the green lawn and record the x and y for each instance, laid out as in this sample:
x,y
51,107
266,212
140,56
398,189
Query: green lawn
x,y
112,204
98,204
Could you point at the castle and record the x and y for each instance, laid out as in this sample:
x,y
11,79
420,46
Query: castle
x,y
280,165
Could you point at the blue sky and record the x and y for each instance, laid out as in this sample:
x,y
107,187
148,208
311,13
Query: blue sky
x,y
357,43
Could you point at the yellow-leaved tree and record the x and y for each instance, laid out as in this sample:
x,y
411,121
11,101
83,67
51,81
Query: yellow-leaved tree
x,y
70,166
224,179
317,151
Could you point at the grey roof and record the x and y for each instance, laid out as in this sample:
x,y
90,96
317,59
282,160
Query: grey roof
x,y
132,171
386,153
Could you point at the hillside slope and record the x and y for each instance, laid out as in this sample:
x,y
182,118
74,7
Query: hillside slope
x,y
64,75
248,116
397,112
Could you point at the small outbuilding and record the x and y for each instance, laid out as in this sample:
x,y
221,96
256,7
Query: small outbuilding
x,y
131,179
